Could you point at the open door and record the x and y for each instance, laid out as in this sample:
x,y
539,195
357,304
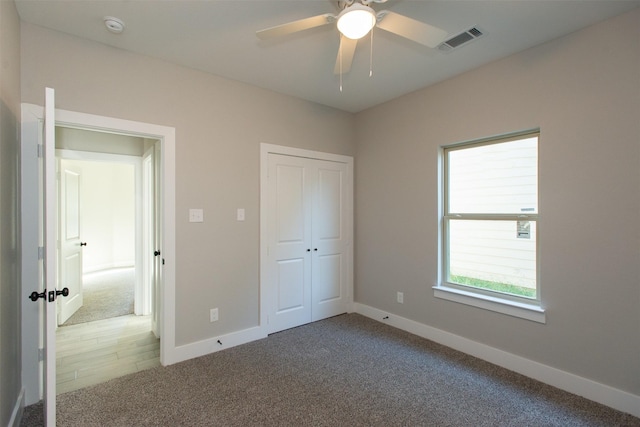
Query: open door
x,y
158,260
70,244
50,274
47,256
50,261
151,235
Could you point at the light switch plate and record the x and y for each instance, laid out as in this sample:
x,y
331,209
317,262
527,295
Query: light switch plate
x,y
240,215
196,215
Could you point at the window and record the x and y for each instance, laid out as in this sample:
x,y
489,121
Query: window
x,y
489,220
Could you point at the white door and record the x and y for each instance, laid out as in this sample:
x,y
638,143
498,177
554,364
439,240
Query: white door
x,y
289,222
49,259
148,233
70,244
308,265
158,259
330,240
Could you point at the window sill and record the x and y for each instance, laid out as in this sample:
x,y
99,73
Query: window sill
x,y
531,312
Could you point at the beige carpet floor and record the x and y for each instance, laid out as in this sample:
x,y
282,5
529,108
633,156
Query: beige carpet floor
x,y
344,371
106,294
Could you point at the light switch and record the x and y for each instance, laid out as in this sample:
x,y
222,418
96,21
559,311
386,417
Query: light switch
x,y
240,215
196,215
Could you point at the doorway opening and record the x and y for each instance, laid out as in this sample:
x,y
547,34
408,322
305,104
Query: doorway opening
x,y
38,323
108,231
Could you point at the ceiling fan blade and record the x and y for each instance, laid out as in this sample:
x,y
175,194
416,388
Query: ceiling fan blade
x,y
346,51
409,28
295,26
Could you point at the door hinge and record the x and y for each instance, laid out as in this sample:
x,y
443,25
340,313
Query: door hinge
x,y
40,252
40,354
40,150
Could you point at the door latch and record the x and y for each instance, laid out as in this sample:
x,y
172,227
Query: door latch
x,y
53,294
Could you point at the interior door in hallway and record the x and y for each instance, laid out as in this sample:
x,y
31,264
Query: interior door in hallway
x,y
307,228
69,239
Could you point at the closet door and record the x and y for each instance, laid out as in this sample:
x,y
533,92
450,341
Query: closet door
x,y
289,234
308,261
330,261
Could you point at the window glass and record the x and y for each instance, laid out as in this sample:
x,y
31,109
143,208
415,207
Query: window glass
x,y
491,216
497,256
494,178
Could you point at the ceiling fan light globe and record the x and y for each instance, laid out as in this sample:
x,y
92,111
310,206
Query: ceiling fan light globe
x,y
356,21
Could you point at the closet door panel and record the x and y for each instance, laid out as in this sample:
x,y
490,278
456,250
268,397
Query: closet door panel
x,y
290,205
328,209
290,290
289,223
328,278
329,238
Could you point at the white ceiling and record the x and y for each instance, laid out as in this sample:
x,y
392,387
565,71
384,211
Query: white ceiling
x,y
218,37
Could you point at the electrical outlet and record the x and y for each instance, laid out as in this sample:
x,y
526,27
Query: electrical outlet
x,y
400,297
213,315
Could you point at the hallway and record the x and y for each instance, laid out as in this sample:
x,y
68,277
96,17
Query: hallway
x,y
95,352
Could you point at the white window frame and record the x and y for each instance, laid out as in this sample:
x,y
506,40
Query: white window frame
x,y
522,307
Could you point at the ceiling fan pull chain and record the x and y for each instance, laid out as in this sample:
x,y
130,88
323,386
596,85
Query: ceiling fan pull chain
x,y
341,36
371,56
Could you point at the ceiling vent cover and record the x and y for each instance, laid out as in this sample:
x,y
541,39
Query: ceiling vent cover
x,y
460,39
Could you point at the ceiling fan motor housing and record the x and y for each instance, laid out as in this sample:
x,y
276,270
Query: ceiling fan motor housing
x,y
346,3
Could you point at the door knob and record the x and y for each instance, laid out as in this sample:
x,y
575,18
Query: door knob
x,y
54,294
83,243
35,296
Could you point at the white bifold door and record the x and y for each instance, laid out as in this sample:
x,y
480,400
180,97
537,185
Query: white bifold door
x,y
309,259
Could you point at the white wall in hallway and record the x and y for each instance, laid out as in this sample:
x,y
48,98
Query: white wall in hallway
x,y
107,193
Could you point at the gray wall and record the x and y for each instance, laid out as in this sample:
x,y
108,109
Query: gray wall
x,y
583,91
10,332
219,127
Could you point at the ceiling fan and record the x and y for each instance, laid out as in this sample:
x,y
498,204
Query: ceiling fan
x,y
356,20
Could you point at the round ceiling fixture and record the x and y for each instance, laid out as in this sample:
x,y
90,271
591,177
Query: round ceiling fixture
x,y
114,25
356,21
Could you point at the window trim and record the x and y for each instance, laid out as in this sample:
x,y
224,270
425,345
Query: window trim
x,y
523,307
531,312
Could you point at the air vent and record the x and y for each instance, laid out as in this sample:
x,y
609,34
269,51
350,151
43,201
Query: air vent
x,y
460,39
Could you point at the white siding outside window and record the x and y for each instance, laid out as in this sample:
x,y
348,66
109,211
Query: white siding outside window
x,y
490,217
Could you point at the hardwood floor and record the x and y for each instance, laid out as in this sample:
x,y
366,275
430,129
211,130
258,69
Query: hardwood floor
x,y
94,352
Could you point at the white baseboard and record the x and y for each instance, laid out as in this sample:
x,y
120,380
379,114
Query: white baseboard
x,y
601,393
18,408
110,266
212,345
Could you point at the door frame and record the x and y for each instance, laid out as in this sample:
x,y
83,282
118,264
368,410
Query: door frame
x,y
265,150
31,131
